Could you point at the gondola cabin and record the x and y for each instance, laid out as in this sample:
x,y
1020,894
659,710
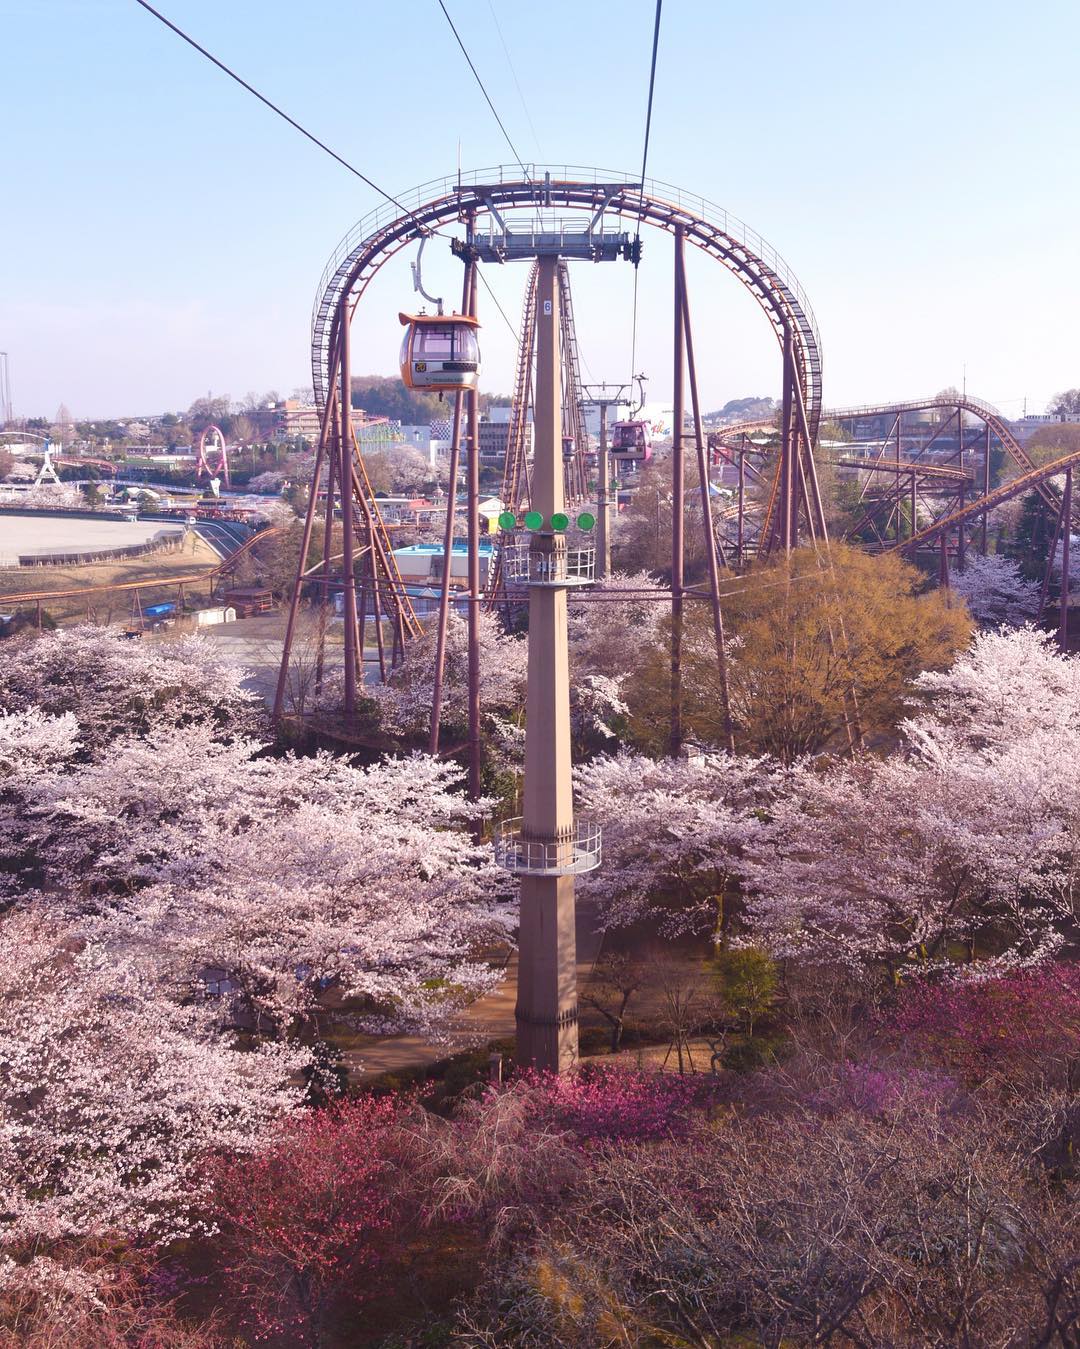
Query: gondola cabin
x,y
439,351
631,441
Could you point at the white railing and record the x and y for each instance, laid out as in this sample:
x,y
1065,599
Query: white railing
x,y
573,566
548,857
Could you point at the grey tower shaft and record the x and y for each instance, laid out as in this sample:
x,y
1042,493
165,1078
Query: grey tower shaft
x,y
547,1031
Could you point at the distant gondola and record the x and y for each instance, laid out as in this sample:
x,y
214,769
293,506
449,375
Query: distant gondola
x,y
631,441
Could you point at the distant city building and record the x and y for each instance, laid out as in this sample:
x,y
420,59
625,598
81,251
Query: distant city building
x,y
293,419
1025,427
495,437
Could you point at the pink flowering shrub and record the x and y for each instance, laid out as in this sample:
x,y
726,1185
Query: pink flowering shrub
x,y
1015,1031
306,1223
884,1092
614,1103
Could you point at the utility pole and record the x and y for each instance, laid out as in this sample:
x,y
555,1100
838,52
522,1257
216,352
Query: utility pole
x,y
598,397
1066,539
6,415
603,561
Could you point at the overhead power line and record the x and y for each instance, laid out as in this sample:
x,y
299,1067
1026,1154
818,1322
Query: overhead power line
x,y
483,90
274,108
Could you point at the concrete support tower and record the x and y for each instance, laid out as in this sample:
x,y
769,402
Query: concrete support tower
x,y
547,1014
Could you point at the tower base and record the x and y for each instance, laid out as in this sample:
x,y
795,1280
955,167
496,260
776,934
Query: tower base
x,y
546,1012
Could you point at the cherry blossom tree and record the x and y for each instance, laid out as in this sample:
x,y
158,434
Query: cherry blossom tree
x,y
280,875
271,481
405,701
398,468
31,742
963,845
878,864
33,747
675,831
1007,687
117,687
995,591
175,883
597,707
112,1092
609,634
966,842
51,496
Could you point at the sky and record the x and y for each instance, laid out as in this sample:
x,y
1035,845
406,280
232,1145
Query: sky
x,y
162,234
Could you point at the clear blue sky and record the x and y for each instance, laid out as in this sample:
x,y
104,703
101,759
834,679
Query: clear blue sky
x,y
162,234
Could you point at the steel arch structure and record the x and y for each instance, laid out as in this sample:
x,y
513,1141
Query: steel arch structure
x,y
479,201
212,441
445,201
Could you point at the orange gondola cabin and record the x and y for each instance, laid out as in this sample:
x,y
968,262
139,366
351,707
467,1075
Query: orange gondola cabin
x,y
440,351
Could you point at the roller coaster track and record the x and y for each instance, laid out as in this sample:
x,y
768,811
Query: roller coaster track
x,y
191,578
985,412
729,241
938,472
573,394
730,440
514,465
381,543
1026,482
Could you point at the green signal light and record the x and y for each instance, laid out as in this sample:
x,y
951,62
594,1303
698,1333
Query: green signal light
x,y
507,520
533,520
586,520
559,521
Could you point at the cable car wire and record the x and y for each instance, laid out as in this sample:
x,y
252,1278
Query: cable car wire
x,y
517,82
644,162
483,90
652,86
498,306
280,112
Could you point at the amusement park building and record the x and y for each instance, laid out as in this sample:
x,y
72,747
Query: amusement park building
x,y
293,418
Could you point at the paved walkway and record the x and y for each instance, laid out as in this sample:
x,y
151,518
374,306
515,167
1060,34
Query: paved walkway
x,y
489,1018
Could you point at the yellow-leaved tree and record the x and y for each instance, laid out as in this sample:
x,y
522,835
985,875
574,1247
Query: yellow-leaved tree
x,y
822,646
